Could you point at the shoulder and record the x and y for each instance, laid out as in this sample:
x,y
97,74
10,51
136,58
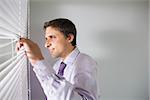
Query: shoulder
x,y
86,63
84,58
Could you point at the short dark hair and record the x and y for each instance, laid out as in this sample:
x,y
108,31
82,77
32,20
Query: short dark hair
x,y
63,25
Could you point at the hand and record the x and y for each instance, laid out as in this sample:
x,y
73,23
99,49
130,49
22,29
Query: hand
x,y
32,50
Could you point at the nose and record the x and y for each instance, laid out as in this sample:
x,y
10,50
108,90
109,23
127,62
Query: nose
x,y
47,44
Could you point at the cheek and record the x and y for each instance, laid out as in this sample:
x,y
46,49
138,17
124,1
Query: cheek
x,y
59,42
60,47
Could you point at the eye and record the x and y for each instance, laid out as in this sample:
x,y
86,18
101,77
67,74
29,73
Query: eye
x,y
45,38
52,37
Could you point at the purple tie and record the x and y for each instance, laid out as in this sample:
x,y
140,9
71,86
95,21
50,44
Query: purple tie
x,y
61,68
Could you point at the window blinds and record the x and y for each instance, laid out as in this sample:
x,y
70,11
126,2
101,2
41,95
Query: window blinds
x,y
13,66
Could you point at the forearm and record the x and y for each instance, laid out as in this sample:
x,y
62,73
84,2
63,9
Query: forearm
x,y
58,87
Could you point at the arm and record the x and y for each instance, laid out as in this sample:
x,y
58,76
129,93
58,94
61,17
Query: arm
x,y
59,88
53,85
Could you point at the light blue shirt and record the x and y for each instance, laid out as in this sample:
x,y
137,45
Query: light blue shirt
x,y
77,83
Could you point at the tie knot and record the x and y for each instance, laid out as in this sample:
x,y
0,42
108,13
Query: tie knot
x,y
61,68
63,64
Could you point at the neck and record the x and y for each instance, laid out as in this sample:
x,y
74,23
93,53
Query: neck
x,y
68,51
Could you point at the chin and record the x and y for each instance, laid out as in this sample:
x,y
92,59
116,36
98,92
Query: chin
x,y
54,56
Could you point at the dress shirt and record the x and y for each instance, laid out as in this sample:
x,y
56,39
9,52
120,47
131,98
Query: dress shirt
x,y
77,83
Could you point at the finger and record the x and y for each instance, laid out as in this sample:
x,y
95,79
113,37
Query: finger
x,y
24,42
17,47
19,44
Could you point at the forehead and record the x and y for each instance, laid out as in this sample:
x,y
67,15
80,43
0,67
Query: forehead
x,y
52,31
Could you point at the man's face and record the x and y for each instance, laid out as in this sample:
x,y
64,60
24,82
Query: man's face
x,y
56,42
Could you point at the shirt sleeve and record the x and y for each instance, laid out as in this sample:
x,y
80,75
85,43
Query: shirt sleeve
x,y
57,87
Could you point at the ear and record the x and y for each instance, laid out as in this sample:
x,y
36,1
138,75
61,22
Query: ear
x,y
70,38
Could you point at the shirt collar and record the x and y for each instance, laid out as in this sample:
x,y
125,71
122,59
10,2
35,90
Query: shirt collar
x,y
72,56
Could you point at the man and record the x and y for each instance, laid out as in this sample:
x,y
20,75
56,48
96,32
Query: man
x,y
73,76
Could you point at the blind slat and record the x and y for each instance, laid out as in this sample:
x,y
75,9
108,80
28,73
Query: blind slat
x,y
14,74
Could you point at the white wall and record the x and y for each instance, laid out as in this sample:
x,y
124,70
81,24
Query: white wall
x,y
149,47
114,33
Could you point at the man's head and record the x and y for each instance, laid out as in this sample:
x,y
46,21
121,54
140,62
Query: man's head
x,y
60,35
63,25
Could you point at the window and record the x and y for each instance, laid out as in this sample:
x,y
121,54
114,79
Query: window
x,y
13,66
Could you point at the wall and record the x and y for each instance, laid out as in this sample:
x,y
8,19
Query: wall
x,y
149,46
114,33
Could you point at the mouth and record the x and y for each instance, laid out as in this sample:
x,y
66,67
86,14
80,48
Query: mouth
x,y
51,50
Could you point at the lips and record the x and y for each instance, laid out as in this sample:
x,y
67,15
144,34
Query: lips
x,y
51,50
